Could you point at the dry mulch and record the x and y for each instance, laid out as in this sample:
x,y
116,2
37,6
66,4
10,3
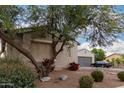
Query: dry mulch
x,y
110,79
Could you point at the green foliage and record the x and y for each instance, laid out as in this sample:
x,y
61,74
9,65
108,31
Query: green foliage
x,y
71,21
86,82
118,61
123,62
102,33
99,54
108,60
121,75
67,22
97,76
13,71
122,59
113,64
8,14
113,61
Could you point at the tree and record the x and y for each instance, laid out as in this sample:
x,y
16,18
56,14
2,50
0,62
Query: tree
x,y
118,60
122,62
113,61
8,15
108,60
99,54
63,24
104,25
122,59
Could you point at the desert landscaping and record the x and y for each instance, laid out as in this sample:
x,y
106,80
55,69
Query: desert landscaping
x,y
74,46
110,80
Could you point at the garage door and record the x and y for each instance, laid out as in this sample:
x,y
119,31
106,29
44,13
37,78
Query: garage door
x,y
85,61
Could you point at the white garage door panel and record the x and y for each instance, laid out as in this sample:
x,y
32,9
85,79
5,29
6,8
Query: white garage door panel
x,y
85,61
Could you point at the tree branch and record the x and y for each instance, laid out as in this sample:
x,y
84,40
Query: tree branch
x,y
21,50
61,48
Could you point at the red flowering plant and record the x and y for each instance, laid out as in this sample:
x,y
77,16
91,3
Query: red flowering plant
x,y
74,66
48,65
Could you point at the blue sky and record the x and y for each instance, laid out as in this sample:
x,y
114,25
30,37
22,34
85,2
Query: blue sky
x,y
120,8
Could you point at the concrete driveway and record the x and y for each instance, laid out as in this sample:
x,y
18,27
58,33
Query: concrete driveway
x,y
100,68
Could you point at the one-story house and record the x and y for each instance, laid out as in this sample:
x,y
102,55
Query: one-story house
x,y
39,44
113,56
85,57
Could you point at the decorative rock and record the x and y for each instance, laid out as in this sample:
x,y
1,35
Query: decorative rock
x,y
113,73
63,77
45,79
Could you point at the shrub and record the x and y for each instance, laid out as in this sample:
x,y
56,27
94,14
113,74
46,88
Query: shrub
x,y
13,71
97,76
121,75
86,82
48,65
73,66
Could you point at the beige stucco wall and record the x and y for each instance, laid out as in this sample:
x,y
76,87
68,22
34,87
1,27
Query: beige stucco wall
x,y
67,56
12,52
86,53
41,48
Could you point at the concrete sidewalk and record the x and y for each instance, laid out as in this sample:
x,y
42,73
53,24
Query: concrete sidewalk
x,y
121,87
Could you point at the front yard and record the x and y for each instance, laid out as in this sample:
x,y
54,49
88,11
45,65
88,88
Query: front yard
x,y
13,73
110,79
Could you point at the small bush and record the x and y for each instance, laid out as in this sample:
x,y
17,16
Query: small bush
x,y
48,65
121,75
86,82
73,66
13,71
97,76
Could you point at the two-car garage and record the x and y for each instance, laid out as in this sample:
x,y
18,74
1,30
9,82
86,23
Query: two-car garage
x,y
85,58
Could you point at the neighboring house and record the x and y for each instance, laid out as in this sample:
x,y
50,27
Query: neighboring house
x,y
85,57
39,44
113,56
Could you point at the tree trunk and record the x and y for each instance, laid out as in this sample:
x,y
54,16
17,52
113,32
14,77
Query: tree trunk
x,y
56,53
3,46
22,50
